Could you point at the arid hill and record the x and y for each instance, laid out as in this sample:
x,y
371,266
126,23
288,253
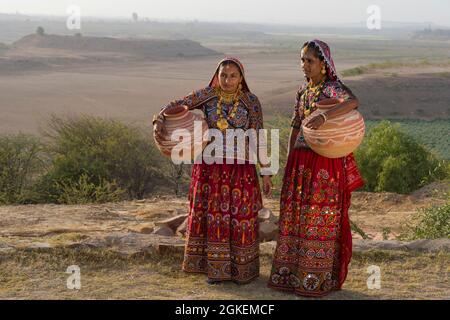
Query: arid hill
x,y
137,47
43,52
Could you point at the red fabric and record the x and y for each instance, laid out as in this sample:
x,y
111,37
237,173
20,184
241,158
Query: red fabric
x,y
353,177
315,245
222,236
354,181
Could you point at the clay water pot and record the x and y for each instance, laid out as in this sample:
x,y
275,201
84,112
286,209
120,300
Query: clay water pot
x,y
337,137
179,117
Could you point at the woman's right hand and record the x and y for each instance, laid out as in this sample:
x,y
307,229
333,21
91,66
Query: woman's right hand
x,y
159,129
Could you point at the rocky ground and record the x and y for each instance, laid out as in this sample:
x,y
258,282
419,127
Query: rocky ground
x,y
134,250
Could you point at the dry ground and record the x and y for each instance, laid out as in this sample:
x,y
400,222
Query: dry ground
x,y
106,275
134,91
40,273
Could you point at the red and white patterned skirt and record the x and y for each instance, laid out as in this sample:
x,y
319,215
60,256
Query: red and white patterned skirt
x,y
222,238
314,246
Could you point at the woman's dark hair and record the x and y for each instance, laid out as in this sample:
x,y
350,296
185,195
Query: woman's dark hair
x,y
228,63
316,51
318,54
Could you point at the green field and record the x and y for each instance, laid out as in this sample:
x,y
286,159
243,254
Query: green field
x,y
435,134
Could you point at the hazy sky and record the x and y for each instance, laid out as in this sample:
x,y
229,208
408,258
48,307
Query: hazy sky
x,y
251,11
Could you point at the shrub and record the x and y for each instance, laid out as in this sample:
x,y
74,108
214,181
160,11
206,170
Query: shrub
x,y
390,160
21,161
84,191
92,156
430,223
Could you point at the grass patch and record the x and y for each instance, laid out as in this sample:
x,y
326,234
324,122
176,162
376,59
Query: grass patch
x,y
67,237
40,274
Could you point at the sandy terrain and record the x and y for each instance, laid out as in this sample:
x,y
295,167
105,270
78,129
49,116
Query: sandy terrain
x,y
134,91
119,260
372,212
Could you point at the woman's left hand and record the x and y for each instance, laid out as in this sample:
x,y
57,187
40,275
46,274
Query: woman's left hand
x,y
315,122
267,186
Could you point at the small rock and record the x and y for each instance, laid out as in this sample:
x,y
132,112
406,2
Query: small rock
x,y
268,231
164,231
145,228
434,245
82,245
181,211
181,230
172,223
266,214
6,248
170,249
368,244
40,245
268,247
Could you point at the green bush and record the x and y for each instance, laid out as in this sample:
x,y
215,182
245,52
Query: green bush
x,y
390,160
92,156
430,223
83,191
21,162
432,134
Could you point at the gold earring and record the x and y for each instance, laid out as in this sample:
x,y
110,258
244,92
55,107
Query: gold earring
x,y
324,71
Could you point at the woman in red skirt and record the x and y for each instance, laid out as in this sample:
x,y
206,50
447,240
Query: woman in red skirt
x,y
222,233
315,244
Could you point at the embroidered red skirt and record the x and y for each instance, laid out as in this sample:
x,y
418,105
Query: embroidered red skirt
x,y
222,237
315,243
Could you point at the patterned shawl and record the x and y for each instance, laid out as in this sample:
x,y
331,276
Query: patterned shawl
x,y
326,53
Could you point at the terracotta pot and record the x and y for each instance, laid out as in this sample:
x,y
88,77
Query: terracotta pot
x,y
180,117
339,136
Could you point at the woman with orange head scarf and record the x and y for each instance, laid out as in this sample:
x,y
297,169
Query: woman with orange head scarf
x,y
223,230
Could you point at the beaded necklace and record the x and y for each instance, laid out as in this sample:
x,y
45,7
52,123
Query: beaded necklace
x,y
316,90
222,123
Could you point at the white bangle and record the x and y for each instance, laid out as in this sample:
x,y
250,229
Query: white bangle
x,y
324,117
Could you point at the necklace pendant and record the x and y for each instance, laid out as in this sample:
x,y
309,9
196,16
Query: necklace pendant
x,y
222,124
307,112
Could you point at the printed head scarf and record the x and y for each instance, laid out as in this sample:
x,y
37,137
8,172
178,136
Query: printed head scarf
x,y
326,54
215,80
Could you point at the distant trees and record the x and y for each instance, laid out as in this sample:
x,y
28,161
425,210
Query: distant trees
x,y
135,17
40,31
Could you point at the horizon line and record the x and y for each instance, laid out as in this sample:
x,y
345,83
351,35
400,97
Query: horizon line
x,y
181,20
